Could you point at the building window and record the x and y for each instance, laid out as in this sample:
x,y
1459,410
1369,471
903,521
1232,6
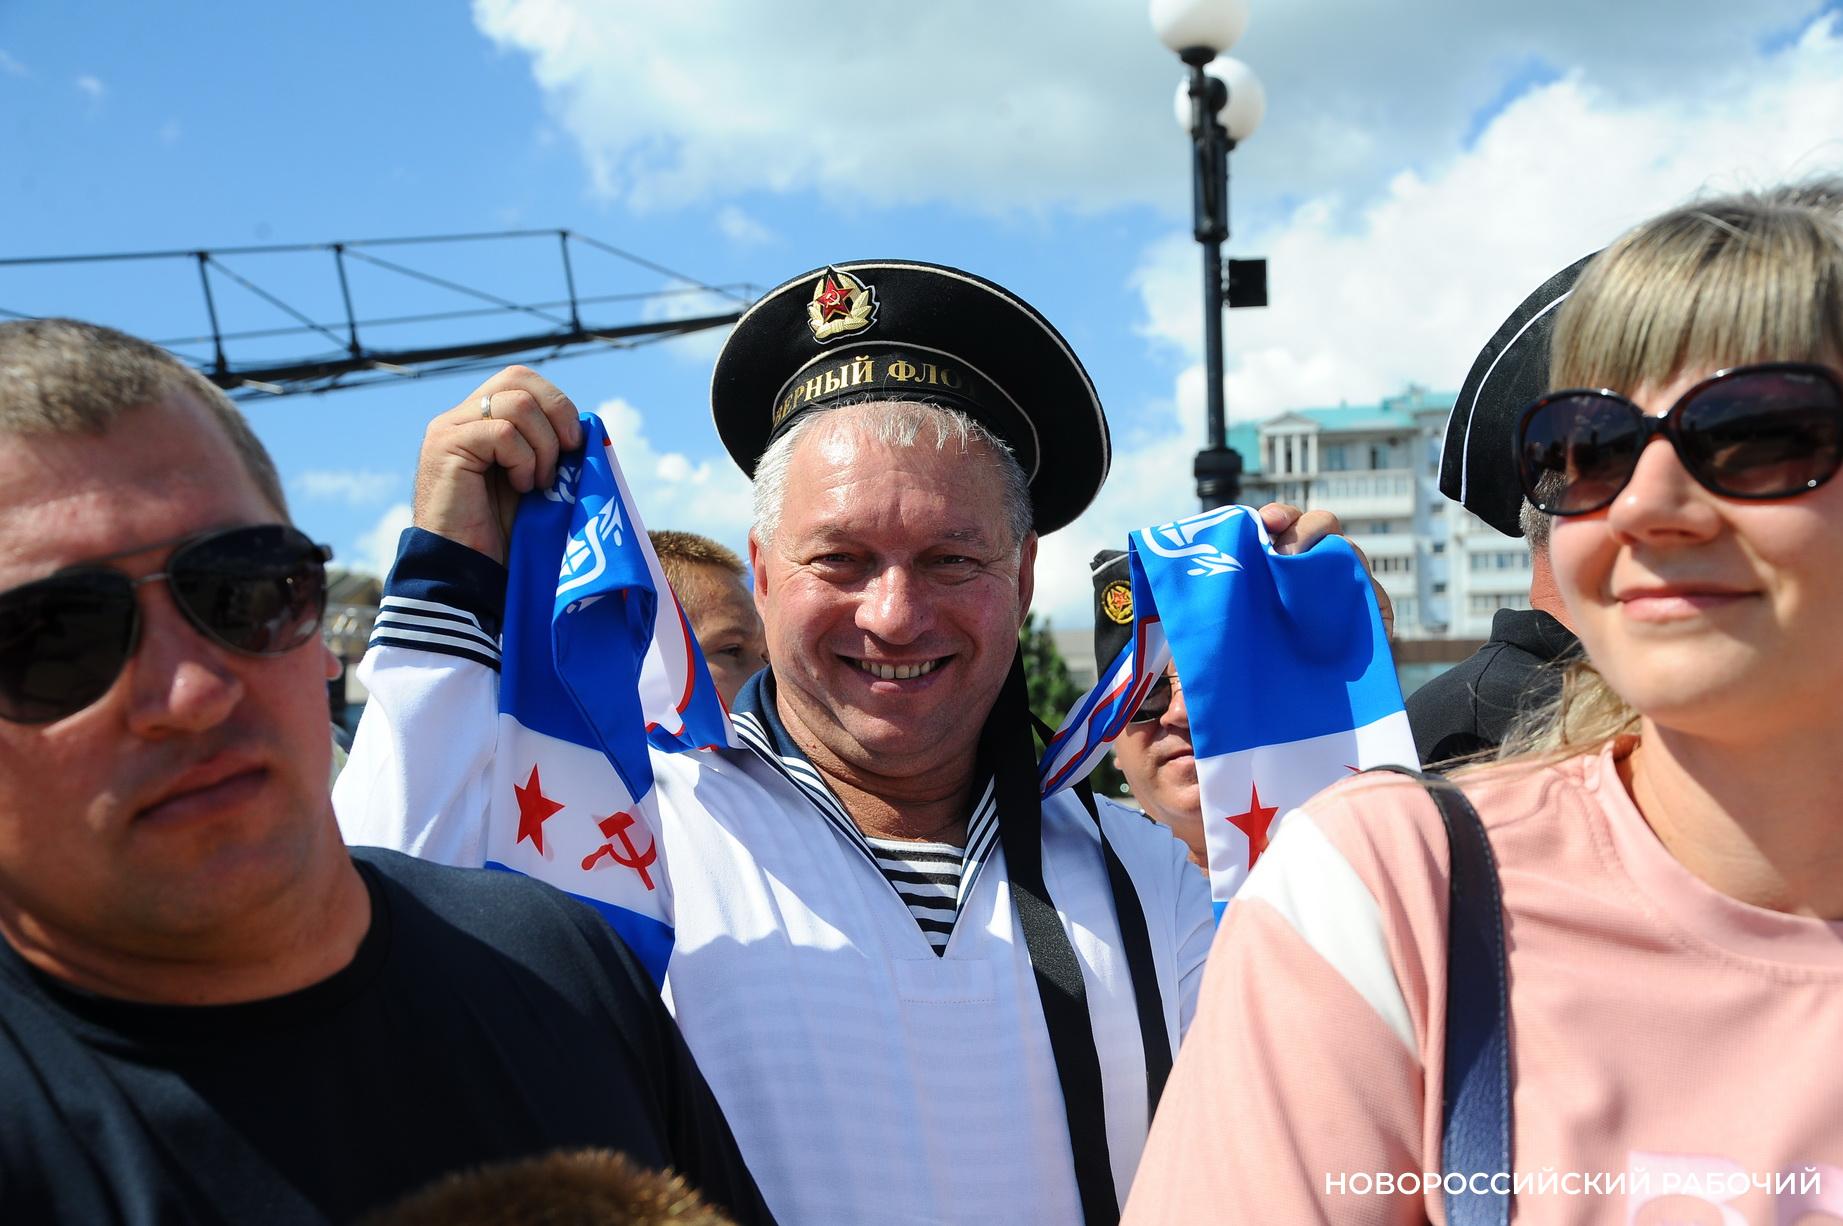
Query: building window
x,y
1482,603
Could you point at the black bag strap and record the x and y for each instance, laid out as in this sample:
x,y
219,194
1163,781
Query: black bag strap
x,y
1006,746
1475,1111
1136,940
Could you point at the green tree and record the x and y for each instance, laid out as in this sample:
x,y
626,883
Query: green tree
x,y
1053,691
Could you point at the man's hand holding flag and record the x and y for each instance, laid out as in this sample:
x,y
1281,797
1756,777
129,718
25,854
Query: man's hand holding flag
x,y
1286,672
599,662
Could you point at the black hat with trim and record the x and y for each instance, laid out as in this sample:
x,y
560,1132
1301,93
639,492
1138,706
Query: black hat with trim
x,y
1113,606
1478,462
905,330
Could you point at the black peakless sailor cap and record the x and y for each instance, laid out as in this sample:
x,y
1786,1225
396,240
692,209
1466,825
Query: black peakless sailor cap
x,y
1113,606
904,330
1478,463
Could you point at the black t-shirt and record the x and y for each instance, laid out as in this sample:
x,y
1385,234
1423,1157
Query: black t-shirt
x,y
484,1017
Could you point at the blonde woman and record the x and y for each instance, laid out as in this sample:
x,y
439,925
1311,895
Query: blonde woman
x,y
1669,843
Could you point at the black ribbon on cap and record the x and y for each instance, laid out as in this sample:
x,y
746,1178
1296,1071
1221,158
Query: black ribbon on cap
x,y
884,370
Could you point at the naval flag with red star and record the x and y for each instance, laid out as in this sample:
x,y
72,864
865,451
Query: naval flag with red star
x,y
1287,676
599,667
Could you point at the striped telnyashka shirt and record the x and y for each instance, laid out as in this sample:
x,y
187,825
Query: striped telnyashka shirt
x,y
927,875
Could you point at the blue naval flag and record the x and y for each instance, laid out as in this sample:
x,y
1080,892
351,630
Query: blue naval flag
x,y
599,667
1286,672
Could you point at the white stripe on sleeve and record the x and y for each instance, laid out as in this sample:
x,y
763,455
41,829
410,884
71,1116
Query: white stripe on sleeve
x,y
1308,881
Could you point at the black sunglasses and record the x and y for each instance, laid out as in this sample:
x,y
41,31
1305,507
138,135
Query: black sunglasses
x,y
1766,431
1156,702
65,639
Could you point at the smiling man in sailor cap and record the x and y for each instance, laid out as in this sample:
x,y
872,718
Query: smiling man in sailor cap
x,y
920,994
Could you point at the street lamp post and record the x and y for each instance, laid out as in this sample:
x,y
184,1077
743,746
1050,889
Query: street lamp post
x,y
1221,105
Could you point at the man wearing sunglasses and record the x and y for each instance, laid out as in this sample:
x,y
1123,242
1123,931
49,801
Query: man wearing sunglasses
x,y
1470,708
1154,750
209,1009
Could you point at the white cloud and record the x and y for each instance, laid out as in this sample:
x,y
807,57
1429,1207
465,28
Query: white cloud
x,y
92,88
676,300
355,488
1406,283
1063,102
742,229
1401,212
170,132
671,490
376,548
12,67
1373,292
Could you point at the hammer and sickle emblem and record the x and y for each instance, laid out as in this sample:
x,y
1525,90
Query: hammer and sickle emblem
x,y
614,826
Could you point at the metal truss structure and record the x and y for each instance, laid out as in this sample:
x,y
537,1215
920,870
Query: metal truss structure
x,y
276,360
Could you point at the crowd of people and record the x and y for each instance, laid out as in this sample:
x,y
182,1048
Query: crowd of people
x,y
1591,974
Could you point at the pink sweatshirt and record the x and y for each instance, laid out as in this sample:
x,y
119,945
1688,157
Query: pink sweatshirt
x,y
1677,1056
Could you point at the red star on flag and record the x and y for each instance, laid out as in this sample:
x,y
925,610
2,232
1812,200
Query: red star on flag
x,y
1255,823
833,299
534,809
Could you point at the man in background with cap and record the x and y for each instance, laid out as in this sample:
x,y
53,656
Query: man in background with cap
x,y
1471,707
1154,750
919,993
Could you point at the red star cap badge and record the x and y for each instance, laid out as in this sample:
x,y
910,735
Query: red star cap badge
x,y
833,299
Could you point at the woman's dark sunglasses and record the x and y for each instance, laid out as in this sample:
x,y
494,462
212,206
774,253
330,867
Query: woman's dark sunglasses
x,y
1766,431
65,639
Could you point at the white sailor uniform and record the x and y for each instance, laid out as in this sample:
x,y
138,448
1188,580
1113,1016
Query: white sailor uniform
x,y
867,1078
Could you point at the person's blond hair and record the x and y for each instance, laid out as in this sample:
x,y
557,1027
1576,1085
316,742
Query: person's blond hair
x,y
1751,277
1745,278
681,553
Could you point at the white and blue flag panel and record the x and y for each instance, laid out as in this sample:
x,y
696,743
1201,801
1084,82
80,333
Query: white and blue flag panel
x,y
1285,669
599,664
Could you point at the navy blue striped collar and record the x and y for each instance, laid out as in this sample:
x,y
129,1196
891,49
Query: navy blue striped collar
x,y
756,701
757,720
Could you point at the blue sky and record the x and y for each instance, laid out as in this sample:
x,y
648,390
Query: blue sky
x,y
1417,173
